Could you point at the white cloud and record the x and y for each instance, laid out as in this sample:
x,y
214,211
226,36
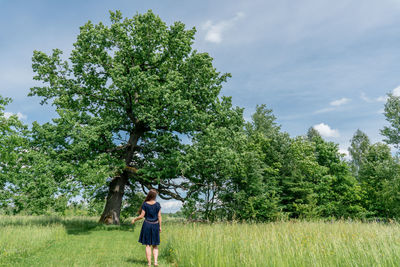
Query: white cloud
x,y
339,102
215,30
381,98
171,205
365,98
378,99
19,115
314,19
333,105
396,91
326,131
324,110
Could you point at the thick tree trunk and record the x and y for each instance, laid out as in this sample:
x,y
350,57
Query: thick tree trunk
x,y
116,190
112,209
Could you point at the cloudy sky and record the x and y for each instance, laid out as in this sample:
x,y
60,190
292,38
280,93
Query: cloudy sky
x,y
327,64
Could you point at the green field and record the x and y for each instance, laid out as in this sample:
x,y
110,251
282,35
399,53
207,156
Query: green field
x,y
80,241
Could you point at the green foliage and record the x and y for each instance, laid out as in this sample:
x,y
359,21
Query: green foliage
x,y
209,163
300,173
340,194
228,176
358,149
316,181
259,197
131,203
379,172
313,134
12,145
25,182
127,95
392,114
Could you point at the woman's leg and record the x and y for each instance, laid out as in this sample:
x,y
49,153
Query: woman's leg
x,y
155,254
148,254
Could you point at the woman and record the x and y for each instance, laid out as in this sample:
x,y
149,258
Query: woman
x,y
151,228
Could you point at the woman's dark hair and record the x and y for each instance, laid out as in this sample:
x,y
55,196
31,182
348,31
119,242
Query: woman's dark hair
x,y
151,195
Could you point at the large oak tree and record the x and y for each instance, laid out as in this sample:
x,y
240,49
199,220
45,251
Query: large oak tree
x,y
128,96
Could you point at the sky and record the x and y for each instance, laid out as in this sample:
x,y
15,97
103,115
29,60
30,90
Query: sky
x,y
315,63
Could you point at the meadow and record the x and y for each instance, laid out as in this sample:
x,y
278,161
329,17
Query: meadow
x,y
80,241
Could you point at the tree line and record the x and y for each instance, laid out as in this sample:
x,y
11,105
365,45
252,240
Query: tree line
x,y
139,108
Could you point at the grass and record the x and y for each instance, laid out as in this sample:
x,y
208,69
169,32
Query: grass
x,y
74,241
286,244
80,241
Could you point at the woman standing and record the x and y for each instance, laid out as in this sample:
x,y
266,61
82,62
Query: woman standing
x,y
151,228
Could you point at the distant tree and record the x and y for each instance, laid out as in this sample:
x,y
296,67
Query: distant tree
x,y
26,173
392,114
312,133
127,96
209,165
390,197
11,149
316,182
263,121
257,192
378,173
359,145
339,194
299,175
233,170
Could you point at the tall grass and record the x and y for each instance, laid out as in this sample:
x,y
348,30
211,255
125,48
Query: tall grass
x,y
22,236
80,241
284,244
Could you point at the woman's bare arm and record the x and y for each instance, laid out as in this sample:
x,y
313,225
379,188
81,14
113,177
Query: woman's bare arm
x,y
141,216
159,219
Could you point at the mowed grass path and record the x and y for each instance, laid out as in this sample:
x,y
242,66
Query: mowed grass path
x,y
41,241
45,241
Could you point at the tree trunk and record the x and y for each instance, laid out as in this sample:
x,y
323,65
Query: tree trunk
x,y
116,191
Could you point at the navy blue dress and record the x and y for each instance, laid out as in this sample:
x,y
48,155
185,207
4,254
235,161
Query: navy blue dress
x,y
150,233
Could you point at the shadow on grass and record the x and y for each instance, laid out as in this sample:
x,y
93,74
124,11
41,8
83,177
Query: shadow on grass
x,y
137,261
144,261
73,225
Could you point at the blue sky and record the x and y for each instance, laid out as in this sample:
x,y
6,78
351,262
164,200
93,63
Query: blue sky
x,y
327,64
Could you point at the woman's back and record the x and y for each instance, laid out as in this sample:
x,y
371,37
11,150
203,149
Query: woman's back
x,y
151,227
151,211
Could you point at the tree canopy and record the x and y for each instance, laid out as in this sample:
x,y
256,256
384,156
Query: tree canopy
x,y
125,97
